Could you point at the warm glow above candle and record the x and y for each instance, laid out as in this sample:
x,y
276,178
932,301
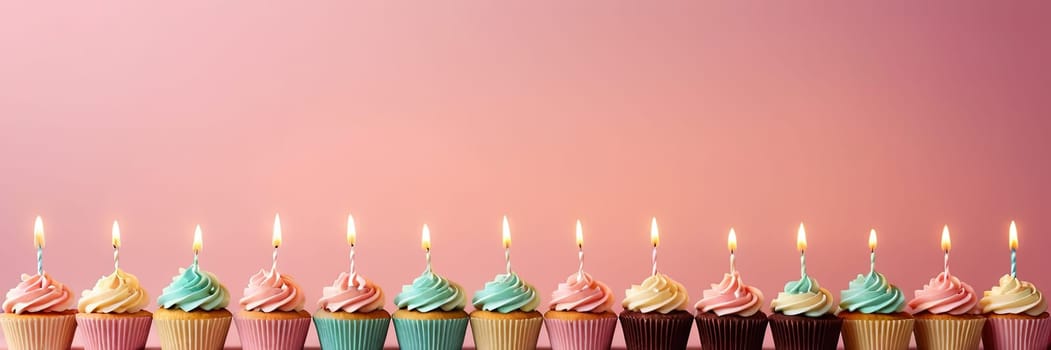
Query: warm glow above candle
x,y
801,238
197,239
580,234
38,233
872,239
731,240
352,232
655,237
946,242
507,234
116,234
426,240
1013,236
277,231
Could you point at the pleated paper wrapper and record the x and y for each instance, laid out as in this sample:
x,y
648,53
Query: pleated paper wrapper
x,y
193,334
726,333
939,334
594,334
128,333
877,334
266,334
51,332
430,334
804,333
365,334
1016,334
504,334
656,334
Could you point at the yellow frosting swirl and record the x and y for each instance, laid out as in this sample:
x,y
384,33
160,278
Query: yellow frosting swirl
x,y
658,293
119,292
1013,296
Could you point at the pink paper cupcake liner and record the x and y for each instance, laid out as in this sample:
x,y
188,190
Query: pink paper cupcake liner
x,y
1016,334
498,334
259,334
581,334
115,333
877,334
39,333
195,334
938,334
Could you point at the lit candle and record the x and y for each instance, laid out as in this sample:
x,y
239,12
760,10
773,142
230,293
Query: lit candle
x,y
731,243
656,240
425,242
580,251
116,246
801,245
1013,237
872,250
352,239
277,242
946,246
507,244
197,243
38,241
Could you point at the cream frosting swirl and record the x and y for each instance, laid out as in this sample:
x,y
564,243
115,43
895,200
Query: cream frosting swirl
x,y
272,291
657,293
351,293
804,297
38,293
731,297
119,292
1013,296
945,294
582,293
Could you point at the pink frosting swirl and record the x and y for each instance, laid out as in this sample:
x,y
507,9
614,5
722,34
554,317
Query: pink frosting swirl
x,y
39,293
351,294
731,297
582,295
268,292
945,294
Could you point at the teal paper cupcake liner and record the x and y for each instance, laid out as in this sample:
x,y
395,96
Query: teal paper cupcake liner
x,y
430,334
336,334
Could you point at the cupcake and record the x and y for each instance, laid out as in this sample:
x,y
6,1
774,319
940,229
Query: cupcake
x,y
505,315
580,317
1016,316
38,315
655,315
111,314
350,314
430,314
728,315
871,310
272,316
946,315
804,317
193,313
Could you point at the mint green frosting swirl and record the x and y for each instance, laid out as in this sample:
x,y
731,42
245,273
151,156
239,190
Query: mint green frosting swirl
x,y
872,294
803,285
506,293
431,292
194,289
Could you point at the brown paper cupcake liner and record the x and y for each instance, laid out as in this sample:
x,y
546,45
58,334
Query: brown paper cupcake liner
x,y
652,331
805,333
948,334
731,332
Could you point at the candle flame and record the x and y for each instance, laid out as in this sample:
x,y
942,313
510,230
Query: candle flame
x,y
277,230
116,234
38,233
655,236
426,241
801,238
507,233
352,231
1014,235
872,239
946,242
580,235
197,241
731,240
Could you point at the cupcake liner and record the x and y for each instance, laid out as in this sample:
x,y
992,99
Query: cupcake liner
x,y
50,332
366,334
655,333
594,334
125,333
506,334
1016,333
267,334
445,334
945,334
728,332
877,334
805,333
193,334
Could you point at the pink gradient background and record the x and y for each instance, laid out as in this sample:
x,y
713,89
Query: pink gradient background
x,y
705,115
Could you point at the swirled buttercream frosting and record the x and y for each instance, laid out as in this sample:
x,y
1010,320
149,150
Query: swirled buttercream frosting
x,y
1012,296
119,292
272,291
431,292
804,297
506,293
945,294
582,293
657,293
731,297
38,293
351,293
872,294
193,289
